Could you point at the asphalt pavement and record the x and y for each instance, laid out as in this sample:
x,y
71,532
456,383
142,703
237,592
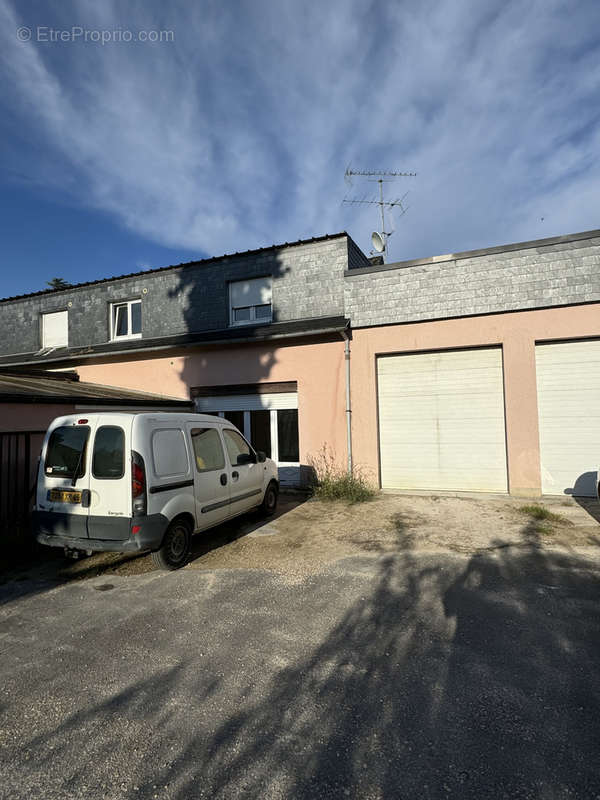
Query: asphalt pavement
x,y
403,676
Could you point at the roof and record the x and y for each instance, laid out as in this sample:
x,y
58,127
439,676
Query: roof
x,y
196,263
37,387
315,326
485,251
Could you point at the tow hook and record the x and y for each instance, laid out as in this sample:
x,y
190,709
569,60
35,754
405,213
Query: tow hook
x,y
74,553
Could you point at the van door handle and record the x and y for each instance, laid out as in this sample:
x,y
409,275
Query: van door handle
x,y
224,479
86,497
235,475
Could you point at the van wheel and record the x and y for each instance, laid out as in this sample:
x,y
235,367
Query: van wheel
x,y
175,548
269,503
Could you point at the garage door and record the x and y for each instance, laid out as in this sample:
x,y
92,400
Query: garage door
x,y
568,381
441,421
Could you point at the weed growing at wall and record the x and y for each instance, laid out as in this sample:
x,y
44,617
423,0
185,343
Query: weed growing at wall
x,y
331,481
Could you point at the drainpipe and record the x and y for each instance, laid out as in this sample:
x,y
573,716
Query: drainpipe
x,y
348,404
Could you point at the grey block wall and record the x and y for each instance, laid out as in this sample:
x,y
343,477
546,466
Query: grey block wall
x,y
307,282
493,280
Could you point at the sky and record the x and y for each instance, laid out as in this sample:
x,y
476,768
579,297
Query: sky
x,y
234,132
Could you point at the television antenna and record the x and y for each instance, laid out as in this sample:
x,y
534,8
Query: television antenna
x,y
379,239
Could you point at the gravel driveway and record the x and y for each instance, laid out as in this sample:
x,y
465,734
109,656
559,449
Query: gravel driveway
x,y
388,666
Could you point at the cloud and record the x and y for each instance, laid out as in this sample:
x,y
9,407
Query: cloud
x,y
237,134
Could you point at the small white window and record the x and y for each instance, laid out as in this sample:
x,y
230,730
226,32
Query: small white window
x,y
250,301
126,320
55,329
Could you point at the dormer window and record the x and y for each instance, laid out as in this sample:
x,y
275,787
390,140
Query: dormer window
x,y
126,320
250,301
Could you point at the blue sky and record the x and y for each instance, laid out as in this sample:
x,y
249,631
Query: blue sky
x,y
236,133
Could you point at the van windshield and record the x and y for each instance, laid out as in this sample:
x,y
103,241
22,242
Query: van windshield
x,y
66,449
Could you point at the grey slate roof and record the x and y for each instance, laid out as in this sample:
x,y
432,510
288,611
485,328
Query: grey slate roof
x,y
324,238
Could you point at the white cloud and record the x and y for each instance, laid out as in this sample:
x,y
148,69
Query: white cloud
x,y
238,133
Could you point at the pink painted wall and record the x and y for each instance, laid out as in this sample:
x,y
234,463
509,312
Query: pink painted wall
x,y
318,369
516,332
30,416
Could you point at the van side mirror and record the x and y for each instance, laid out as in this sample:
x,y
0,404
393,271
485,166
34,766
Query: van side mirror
x,y
261,456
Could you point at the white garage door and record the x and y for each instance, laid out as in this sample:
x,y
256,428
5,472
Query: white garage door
x,y
568,381
441,421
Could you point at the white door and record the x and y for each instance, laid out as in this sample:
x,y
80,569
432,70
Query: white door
x,y
64,478
568,383
245,472
110,481
441,421
211,475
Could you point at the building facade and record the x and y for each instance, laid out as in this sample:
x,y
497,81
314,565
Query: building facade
x,y
475,371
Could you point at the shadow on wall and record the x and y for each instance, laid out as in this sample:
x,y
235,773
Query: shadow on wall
x,y
586,484
585,493
206,297
464,680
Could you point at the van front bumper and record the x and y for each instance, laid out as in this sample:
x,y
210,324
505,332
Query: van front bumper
x,y
69,530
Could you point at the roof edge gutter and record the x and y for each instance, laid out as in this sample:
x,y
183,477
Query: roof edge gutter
x,y
85,356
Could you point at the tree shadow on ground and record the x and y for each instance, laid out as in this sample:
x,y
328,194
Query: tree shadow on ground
x,y
441,679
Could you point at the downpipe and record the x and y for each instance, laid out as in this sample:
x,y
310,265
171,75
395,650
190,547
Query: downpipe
x,y
348,401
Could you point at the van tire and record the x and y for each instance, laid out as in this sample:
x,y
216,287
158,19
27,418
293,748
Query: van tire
x,y
175,548
269,503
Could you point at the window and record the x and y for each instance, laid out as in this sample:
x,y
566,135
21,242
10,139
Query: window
x,y
287,435
208,450
236,418
169,453
55,329
108,460
66,451
236,445
250,301
126,320
260,431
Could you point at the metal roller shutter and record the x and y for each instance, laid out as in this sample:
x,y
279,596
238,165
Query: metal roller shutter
x,y
441,421
568,384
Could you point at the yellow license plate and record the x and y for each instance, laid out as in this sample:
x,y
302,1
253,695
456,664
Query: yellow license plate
x,y
61,496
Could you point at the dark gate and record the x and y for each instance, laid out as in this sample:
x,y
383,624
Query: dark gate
x,y
19,453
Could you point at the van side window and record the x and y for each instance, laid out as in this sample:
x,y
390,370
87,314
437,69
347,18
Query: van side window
x,y
108,460
208,450
169,453
236,445
66,450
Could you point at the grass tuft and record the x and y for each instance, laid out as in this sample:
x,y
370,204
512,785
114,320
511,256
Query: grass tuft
x,y
332,482
543,515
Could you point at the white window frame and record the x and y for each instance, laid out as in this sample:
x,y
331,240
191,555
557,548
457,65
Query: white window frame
x,y
253,318
274,436
113,307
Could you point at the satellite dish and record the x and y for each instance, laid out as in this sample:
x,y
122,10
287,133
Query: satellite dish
x,y
378,241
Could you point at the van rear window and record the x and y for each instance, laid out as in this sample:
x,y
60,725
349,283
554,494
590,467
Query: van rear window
x,y
108,460
66,450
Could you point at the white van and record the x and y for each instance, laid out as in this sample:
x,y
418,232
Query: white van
x,y
145,481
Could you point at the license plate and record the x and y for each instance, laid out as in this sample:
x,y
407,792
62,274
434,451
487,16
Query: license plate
x,y
62,496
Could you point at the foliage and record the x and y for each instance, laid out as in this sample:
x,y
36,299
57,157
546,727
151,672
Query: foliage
x,y
58,283
333,482
543,515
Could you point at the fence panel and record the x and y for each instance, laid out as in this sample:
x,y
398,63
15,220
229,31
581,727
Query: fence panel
x,y
19,453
